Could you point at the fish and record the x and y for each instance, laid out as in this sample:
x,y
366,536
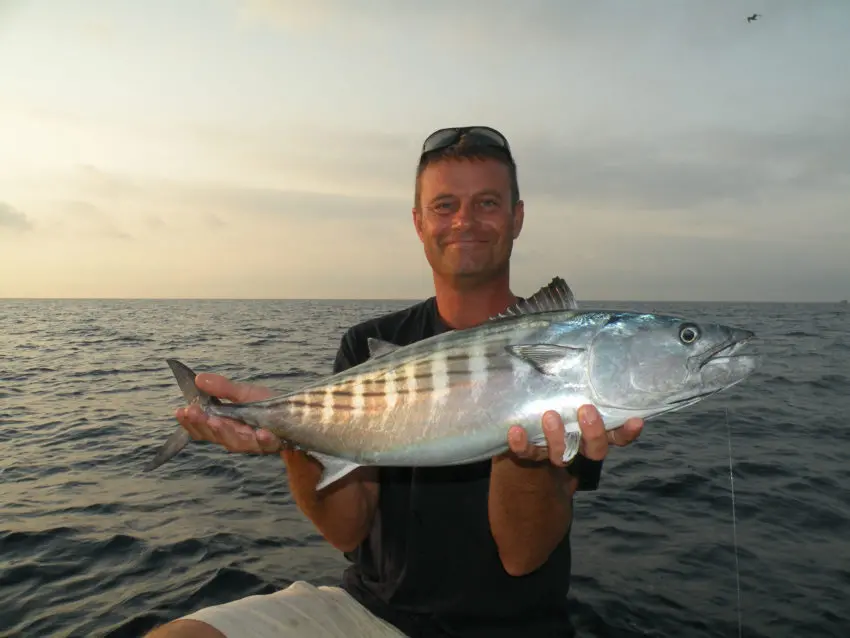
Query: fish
x,y
450,399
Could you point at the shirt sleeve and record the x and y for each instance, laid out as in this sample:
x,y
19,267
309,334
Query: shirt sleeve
x,y
345,356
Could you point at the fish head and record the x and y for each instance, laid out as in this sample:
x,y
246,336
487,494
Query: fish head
x,y
657,363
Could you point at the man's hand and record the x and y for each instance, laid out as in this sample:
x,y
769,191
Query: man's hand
x,y
232,435
343,514
595,441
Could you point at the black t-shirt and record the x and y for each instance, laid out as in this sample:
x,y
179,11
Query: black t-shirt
x,y
430,565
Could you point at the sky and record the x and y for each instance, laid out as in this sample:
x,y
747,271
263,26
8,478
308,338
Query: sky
x,y
267,148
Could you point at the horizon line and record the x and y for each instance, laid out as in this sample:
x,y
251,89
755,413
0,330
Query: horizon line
x,y
403,299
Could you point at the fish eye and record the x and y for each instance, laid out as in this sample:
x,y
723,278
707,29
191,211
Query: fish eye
x,y
688,333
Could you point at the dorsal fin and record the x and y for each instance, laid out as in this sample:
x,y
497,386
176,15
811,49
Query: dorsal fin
x,y
556,295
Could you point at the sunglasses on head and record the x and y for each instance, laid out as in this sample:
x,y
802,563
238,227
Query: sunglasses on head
x,y
478,135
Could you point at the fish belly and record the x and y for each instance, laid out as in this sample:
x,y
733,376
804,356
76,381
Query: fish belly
x,y
448,408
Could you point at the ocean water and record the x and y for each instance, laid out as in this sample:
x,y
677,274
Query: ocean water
x,y
90,545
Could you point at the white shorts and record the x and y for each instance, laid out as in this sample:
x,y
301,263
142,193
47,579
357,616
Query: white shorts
x,y
300,610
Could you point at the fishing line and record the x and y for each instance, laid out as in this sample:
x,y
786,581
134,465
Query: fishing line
x,y
734,523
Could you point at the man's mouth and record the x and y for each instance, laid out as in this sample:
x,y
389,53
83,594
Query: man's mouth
x,y
465,242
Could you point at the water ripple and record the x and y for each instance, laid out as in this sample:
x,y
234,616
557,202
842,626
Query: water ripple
x,y
92,546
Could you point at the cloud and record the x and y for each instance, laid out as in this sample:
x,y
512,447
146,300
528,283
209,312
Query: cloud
x,y
100,30
558,19
711,181
327,170
711,214
214,202
306,244
87,217
261,242
704,166
316,157
620,32
767,194
209,240
13,219
694,212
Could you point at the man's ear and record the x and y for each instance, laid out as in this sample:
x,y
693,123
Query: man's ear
x,y
519,217
417,221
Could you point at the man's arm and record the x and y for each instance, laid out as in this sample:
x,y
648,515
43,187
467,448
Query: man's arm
x,y
344,511
531,509
531,494
530,502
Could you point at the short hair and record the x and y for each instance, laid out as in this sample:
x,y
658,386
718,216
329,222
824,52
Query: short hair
x,y
467,150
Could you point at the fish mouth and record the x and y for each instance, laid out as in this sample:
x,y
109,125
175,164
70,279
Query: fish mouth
x,y
701,375
726,350
694,397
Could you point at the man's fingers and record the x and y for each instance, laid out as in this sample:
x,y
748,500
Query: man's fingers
x,y
194,415
221,433
232,435
196,423
189,424
553,428
224,388
594,439
518,441
268,442
520,445
631,430
626,433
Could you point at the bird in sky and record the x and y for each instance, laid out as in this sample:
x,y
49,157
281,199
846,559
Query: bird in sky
x,y
753,17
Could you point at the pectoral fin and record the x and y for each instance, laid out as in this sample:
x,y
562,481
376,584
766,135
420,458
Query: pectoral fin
x,y
547,358
572,439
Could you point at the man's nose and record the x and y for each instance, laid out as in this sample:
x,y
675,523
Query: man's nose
x,y
464,215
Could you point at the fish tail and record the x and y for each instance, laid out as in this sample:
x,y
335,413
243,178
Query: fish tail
x,y
172,446
186,380
193,394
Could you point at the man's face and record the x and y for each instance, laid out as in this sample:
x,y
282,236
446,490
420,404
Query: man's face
x,y
466,223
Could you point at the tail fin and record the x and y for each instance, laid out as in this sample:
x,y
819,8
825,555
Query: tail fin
x,y
176,442
180,438
186,380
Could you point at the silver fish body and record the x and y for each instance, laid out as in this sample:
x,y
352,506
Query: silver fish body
x,y
450,399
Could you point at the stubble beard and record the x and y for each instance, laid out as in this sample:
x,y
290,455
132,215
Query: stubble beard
x,y
467,272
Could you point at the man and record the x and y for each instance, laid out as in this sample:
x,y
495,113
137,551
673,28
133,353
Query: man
x,y
468,551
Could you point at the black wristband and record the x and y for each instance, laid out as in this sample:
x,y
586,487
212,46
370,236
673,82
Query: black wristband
x,y
587,471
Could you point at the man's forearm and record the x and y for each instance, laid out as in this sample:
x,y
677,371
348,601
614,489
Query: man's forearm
x,y
343,512
530,508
